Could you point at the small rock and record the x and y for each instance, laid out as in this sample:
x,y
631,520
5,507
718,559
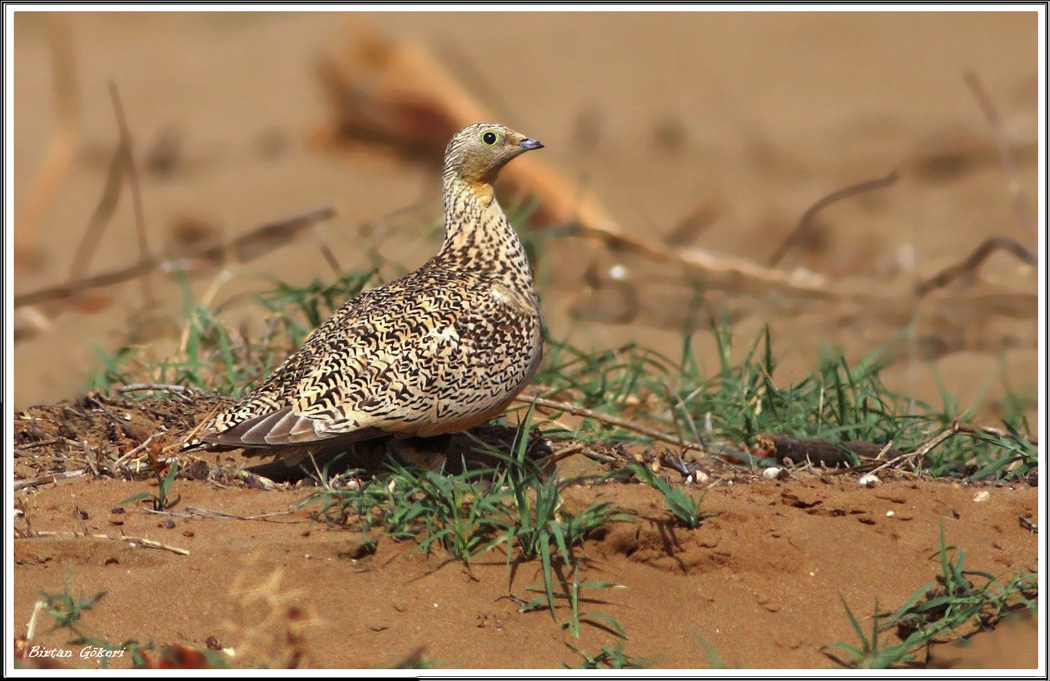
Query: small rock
x,y
698,478
197,470
356,549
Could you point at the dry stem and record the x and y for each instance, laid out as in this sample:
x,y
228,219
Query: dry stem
x,y
61,152
249,246
577,410
807,218
974,261
141,541
1021,207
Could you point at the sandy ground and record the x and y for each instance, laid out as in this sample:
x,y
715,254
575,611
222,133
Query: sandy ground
x,y
757,585
746,119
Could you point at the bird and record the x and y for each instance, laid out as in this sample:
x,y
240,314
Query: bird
x,y
437,351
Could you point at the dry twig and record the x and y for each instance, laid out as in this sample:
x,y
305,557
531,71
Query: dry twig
x,y
107,205
974,261
61,151
999,432
719,270
45,443
922,451
1021,207
806,220
577,410
195,512
141,541
249,246
131,453
48,479
562,453
133,181
183,391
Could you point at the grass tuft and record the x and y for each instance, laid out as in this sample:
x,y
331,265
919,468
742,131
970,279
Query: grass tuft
x,y
684,507
606,658
951,606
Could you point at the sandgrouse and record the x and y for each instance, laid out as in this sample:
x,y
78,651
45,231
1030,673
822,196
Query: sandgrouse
x,y
437,351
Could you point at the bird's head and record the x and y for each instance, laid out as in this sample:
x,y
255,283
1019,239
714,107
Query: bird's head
x,y
477,152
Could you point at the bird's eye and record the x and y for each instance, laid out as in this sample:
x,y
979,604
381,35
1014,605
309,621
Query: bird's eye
x,y
489,137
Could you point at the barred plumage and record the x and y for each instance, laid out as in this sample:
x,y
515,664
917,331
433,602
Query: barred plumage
x,y
438,351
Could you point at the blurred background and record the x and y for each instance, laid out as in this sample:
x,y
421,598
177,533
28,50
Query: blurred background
x,y
707,135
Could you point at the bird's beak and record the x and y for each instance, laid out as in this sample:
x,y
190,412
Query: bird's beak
x,y
529,144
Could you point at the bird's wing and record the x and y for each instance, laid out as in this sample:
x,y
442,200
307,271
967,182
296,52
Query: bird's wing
x,y
438,360
351,381
284,427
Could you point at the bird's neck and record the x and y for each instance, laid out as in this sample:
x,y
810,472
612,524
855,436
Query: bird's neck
x,y
478,235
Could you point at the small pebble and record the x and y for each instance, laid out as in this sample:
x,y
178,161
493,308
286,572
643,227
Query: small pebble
x,y
869,480
982,496
698,478
771,473
618,272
